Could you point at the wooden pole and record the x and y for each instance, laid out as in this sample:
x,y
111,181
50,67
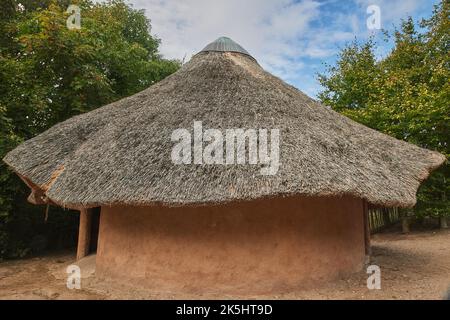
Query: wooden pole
x,y
84,233
443,219
443,222
366,230
405,220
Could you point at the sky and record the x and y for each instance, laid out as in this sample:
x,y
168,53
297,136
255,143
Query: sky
x,y
292,39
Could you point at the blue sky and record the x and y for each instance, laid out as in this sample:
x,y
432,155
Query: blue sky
x,y
290,38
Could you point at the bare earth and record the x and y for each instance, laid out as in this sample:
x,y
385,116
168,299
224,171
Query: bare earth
x,y
414,266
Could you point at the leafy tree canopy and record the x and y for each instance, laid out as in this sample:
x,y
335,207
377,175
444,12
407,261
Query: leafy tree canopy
x,y
405,94
49,73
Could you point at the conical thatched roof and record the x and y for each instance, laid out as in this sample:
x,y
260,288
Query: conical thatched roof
x,y
121,153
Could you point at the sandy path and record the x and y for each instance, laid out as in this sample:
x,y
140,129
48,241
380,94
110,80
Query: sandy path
x,y
414,266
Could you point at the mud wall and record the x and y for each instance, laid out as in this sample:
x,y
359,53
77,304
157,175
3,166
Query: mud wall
x,y
259,246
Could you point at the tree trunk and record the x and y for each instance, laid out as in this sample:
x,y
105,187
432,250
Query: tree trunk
x,y
443,222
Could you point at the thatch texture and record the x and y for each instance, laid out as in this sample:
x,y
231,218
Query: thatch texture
x,y
121,153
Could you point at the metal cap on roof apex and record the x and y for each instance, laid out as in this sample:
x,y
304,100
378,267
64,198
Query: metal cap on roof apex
x,y
224,44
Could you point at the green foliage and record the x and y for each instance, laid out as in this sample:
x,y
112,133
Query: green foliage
x,y
406,94
49,73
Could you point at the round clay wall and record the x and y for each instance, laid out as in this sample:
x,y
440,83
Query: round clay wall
x,y
253,247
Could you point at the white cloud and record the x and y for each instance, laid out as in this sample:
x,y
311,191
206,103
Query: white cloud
x,y
283,35
274,32
278,33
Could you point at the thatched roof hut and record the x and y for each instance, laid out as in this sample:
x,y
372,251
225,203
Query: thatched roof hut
x,y
119,156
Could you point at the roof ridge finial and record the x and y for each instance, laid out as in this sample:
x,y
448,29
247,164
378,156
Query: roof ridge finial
x,y
225,44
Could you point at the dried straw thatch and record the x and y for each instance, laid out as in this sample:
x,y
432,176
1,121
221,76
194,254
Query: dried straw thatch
x,y
121,153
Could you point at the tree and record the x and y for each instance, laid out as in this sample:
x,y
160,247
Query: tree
x,y
405,94
49,73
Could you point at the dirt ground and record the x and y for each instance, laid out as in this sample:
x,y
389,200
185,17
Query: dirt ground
x,y
413,266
